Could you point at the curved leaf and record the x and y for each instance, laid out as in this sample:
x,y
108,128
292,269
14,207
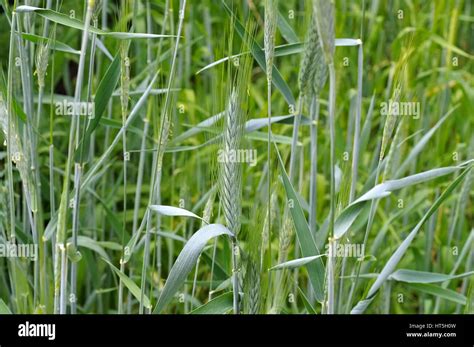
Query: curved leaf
x,y
413,276
186,261
218,305
398,254
54,44
174,211
62,19
350,213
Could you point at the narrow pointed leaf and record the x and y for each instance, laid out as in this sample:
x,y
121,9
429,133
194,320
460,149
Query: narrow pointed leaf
x,y
187,260
65,20
413,276
219,305
422,143
308,246
350,213
306,303
54,44
295,263
4,308
174,211
134,289
439,292
259,56
398,254
102,97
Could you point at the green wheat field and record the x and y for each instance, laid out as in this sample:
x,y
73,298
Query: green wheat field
x,y
237,157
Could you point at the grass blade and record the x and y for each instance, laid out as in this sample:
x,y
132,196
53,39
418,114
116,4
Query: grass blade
x,y
186,261
259,56
350,213
134,289
398,254
440,292
62,19
54,44
102,97
307,244
174,211
4,308
413,276
295,263
219,305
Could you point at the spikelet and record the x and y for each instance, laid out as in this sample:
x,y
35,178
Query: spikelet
x,y
124,79
389,125
252,287
274,212
271,18
313,69
323,12
230,170
207,213
19,157
41,62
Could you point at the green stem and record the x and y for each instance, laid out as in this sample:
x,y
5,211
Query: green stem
x,y
332,135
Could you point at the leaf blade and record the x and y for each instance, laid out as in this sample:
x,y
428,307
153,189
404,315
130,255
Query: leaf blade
x,y
186,261
132,286
219,305
307,244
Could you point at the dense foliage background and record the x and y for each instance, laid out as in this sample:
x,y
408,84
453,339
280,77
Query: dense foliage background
x,y
112,198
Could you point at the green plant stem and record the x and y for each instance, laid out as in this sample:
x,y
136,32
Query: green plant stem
x,y
314,111
356,143
73,142
158,155
332,135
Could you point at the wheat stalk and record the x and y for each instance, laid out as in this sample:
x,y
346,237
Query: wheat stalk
x,y
323,11
230,183
164,131
271,17
311,79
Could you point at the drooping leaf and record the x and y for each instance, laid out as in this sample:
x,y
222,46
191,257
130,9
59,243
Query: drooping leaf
x,y
62,19
398,254
87,242
186,261
350,213
286,30
413,276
